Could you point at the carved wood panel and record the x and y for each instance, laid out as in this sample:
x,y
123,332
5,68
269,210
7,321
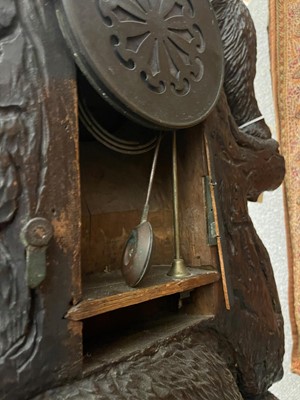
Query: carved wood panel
x,y
38,152
39,177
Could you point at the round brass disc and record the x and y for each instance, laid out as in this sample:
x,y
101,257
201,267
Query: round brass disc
x,y
160,62
137,253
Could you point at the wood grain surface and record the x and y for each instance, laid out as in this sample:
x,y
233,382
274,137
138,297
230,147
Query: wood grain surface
x,y
108,291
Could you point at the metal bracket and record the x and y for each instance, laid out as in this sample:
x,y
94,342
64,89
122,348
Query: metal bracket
x,y
211,224
36,236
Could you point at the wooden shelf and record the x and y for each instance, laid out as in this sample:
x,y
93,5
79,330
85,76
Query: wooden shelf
x,y
107,291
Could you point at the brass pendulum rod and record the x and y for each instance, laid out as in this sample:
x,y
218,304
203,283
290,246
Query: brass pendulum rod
x,y
154,162
178,268
175,199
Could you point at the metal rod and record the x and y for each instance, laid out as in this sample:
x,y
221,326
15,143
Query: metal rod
x,y
154,162
175,199
178,269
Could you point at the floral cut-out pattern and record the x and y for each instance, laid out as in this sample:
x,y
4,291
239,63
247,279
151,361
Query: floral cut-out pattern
x,y
160,40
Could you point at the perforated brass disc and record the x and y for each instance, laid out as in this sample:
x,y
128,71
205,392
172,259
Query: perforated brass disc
x,y
159,61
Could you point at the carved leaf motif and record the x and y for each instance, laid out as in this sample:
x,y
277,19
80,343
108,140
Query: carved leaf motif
x,y
8,188
12,85
13,319
6,295
23,127
7,14
187,370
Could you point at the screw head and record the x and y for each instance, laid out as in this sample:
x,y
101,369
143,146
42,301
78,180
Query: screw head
x,y
37,232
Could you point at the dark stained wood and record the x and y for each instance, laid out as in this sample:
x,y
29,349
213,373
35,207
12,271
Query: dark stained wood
x,y
108,292
246,162
221,241
131,343
237,353
239,41
38,178
180,359
254,325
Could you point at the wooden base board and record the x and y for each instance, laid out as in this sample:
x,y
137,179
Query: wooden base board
x,y
107,291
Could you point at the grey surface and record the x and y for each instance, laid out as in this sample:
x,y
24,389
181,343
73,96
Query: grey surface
x,y
268,217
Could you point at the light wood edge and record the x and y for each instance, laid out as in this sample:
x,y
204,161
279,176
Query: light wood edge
x,y
216,217
92,307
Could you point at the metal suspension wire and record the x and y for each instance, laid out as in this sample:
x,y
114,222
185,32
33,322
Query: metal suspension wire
x,y
130,147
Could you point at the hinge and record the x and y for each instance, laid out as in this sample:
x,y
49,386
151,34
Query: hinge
x,y
210,219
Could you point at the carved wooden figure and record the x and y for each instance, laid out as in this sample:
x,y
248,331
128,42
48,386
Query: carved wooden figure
x,y
70,328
